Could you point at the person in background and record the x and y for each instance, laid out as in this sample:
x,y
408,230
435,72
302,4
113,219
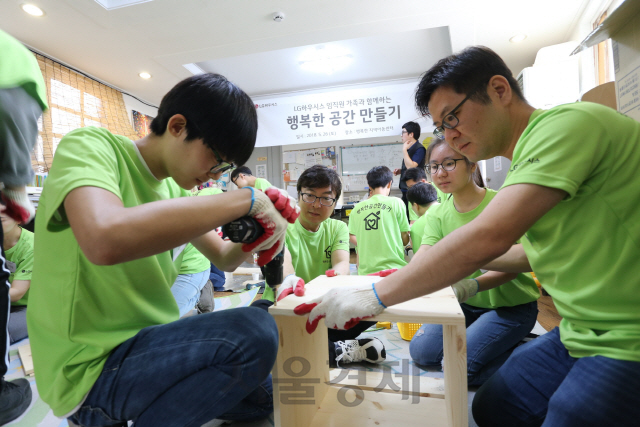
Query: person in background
x,y
23,98
413,156
317,244
195,272
379,226
416,175
242,177
572,195
112,223
18,250
422,197
500,309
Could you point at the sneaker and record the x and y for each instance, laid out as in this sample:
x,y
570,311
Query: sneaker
x,y
366,349
15,398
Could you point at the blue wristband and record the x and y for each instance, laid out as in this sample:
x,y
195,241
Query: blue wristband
x,y
253,199
373,286
478,288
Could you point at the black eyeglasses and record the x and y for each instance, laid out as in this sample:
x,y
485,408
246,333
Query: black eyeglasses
x,y
450,121
447,165
221,166
324,201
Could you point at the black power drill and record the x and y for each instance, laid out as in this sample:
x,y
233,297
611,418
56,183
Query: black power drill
x,y
247,230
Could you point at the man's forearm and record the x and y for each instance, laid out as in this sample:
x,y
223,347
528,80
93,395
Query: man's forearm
x,y
513,261
230,256
437,268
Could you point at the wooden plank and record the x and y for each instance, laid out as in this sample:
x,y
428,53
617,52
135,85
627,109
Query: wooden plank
x,y
455,374
373,380
25,356
377,410
246,271
440,307
301,373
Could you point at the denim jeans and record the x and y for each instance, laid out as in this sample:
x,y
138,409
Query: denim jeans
x,y
188,372
541,384
186,290
492,334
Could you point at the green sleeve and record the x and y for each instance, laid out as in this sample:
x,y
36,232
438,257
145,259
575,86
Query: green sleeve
x,y
83,158
432,228
341,237
401,215
560,148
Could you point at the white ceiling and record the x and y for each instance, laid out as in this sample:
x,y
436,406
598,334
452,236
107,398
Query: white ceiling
x,y
238,38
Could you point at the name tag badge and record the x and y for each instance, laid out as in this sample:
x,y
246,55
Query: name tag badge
x,y
11,266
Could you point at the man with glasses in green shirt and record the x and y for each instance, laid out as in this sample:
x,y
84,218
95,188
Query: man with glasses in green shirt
x,y
572,195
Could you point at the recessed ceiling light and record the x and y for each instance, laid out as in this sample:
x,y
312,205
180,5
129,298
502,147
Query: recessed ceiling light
x,y
32,9
145,75
518,38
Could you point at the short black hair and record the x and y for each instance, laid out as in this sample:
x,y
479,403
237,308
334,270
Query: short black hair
x,y
237,171
465,72
319,176
216,110
412,127
422,193
415,174
379,176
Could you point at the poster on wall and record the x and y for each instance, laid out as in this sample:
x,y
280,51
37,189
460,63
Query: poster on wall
x,y
141,123
337,115
261,171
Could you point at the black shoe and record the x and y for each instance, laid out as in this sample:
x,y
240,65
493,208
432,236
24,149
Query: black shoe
x,y
366,349
15,398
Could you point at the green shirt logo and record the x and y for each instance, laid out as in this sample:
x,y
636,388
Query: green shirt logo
x,y
371,221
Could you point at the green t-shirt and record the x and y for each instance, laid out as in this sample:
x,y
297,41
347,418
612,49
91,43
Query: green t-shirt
x,y
78,311
444,219
585,251
192,259
262,184
19,68
377,224
441,196
417,229
311,252
22,256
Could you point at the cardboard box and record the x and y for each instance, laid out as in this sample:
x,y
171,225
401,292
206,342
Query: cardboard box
x,y
623,27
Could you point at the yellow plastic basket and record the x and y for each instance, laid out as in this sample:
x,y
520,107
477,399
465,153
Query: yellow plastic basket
x,y
408,330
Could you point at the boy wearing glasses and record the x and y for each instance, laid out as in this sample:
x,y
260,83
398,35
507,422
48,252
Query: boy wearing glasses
x,y
572,195
317,244
379,226
243,177
112,225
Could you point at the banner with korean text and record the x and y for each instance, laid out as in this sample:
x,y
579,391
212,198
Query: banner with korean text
x,y
336,115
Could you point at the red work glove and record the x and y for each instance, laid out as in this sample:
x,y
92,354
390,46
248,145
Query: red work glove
x,y
342,308
291,284
18,206
331,273
274,210
383,273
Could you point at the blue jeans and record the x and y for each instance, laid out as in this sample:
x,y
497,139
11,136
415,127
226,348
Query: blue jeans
x,y
541,384
186,290
188,372
492,335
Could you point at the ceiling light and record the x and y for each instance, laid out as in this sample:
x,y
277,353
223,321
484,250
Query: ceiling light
x,y
518,38
145,75
32,9
325,59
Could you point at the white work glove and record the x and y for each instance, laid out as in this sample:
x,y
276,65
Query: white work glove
x,y
18,206
342,308
465,289
274,210
291,284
